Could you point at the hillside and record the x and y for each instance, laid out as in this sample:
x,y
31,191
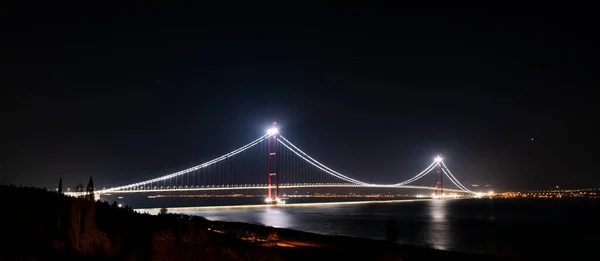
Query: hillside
x,y
44,225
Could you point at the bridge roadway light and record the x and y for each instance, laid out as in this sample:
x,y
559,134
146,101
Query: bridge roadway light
x,y
272,130
438,159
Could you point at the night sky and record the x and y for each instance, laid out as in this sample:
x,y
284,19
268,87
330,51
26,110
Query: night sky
x,y
127,93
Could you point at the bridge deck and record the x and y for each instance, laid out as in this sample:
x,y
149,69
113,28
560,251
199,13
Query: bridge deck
x,y
218,188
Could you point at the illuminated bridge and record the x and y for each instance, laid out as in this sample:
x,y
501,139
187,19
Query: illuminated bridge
x,y
271,163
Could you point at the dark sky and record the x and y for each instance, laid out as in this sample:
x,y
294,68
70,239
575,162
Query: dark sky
x,y
124,93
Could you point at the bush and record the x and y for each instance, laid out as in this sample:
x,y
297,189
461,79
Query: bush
x,y
163,211
163,244
94,242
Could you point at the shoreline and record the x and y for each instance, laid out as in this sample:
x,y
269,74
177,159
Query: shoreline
x,y
303,244
66,228
289,238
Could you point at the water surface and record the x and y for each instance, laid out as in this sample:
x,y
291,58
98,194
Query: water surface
x,y
472,225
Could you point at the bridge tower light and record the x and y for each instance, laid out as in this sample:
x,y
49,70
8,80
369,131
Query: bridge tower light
x,y
273,130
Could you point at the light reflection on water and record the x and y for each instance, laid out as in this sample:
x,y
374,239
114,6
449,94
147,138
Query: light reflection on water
x,y
363,220
275,217
438,227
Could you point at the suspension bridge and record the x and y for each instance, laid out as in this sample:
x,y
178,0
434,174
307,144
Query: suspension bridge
x,y
271,163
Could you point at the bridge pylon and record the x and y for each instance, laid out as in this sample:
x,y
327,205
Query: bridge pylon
x,y
272,166
439,178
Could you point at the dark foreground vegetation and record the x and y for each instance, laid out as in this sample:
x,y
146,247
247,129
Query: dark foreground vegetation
x,y
44,225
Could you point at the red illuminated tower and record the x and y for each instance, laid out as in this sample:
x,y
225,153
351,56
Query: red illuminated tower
x,y
272,165
439,180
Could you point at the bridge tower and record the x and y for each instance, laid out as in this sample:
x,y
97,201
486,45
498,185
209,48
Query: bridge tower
x,y
272,166
439,181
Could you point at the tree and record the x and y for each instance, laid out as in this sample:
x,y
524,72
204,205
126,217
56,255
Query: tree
x,y
89,222
163,244
59,203
75,223
94,241
163,211
90,190
59,186
193,244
